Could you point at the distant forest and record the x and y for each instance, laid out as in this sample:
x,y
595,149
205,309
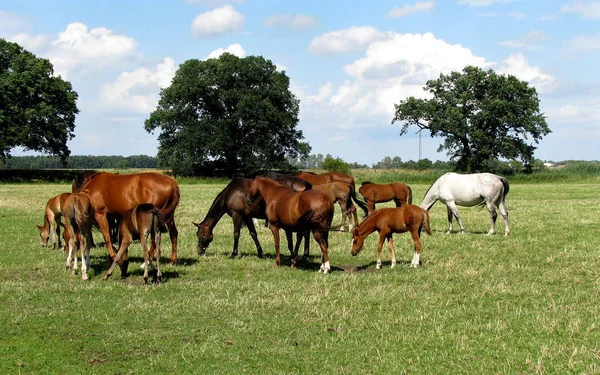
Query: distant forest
x,y
150,162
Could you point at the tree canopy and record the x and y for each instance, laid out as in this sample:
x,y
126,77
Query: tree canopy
x,y
482,115
37,109
228,116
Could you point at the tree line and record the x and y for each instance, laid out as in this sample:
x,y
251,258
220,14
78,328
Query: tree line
x,y
81,162
230,116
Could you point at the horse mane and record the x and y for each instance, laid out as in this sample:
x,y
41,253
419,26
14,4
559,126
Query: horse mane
x,y
82,179
366,183
219,200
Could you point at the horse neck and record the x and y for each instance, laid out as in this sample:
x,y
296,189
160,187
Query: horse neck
x,y
215,212
431,196
367,226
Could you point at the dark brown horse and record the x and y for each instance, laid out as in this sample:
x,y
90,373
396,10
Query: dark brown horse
x,y
117,194
79,218
52,224
400,193
292,211
386,221
138,223
233,201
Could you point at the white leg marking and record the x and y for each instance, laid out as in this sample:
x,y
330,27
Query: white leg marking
x,y
378,266
325,267
393,263
415,260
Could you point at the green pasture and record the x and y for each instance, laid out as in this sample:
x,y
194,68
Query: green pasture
x,y
524,304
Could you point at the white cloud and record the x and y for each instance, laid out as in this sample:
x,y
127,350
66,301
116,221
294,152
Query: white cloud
x,y
585,9
584,42
527,41
78,50
10,22
481,3
394,69
217,21
234,49
298,21
214,3
518,66
346,40
138,90
419,6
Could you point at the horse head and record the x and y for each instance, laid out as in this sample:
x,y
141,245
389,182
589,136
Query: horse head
x,y
357,242
44,234
205,237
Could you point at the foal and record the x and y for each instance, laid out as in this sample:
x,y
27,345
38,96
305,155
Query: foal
x,y
400,193
139,222
79,218
386,221
52,215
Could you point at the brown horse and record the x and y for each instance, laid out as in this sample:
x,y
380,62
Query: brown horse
x,y
52,215
233,201
332,177
79,217
138,223
408,218
309,210
400,193
117,194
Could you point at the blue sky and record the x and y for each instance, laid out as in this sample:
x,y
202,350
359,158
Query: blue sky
x,y
349,62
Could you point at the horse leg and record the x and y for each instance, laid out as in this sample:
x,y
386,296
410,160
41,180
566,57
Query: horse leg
x,y
370,206
391,247
382,237
453,211
252,229
344,214
352,211
144,243
173,233
416,260
398,202
493,215
293,252
237,227
275,232
85,254
306,244
157,240
104,229
504,213
56,232
322,239
126,240
71,246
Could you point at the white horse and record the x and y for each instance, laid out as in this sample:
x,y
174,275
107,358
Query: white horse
x,y
469,190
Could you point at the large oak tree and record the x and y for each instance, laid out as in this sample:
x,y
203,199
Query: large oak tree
x,y
228,116
37,109
482,115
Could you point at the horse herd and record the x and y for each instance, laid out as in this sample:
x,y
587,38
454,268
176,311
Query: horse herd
x,y
142,205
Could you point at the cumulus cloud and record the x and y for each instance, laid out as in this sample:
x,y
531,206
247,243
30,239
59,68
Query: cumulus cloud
x,y
298,21
137,91
419,6
214,3
528,41
585,9
234,49
79,50
217,21
346,40
392,70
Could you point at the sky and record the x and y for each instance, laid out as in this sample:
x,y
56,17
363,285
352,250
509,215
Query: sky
x,y
348,61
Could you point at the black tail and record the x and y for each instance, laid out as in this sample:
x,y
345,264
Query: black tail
x,y
506,186
360,203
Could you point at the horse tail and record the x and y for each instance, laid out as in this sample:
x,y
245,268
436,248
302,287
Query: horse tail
x,y
409,197
360,203
506,186
425,224
159,218
169,212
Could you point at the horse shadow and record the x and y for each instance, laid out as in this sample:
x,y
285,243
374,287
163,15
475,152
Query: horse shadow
x,y
100,267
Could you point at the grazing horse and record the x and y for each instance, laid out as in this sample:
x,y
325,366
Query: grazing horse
x,y
117,194
52,215
400,193
233,201
331,177
295,212
139,222
79,217
407,218
477,189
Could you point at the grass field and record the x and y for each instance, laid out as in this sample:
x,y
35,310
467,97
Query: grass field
x,y
526,304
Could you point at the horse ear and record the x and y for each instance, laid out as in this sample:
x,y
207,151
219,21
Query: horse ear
x,y
198,225
39,227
